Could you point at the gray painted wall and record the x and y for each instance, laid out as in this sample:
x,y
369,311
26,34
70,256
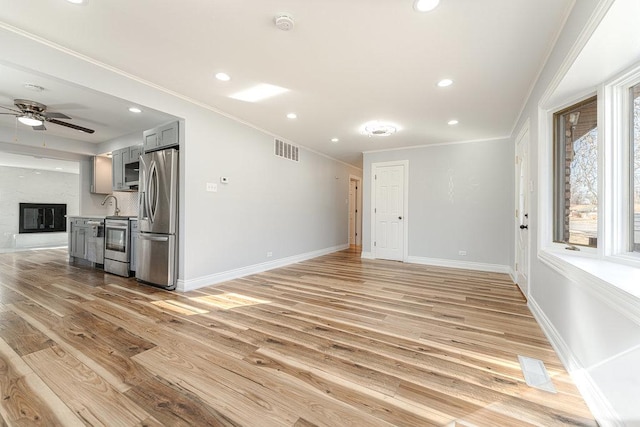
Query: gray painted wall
x,y
604,344
460,198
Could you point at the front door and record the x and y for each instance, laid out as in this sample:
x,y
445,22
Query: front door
x,y
522,211
388,212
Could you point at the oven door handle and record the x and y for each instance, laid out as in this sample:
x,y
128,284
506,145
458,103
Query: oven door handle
x,y
153,238
117,227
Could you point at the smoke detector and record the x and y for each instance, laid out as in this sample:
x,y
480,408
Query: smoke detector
x,y
284,22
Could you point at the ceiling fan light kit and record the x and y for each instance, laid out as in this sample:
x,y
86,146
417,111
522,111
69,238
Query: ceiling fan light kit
x,y
29,120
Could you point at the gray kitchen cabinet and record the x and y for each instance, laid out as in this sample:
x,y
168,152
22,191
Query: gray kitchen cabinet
x,y
161,137
134,153
121,180
86,240
100,175
78,238
118,169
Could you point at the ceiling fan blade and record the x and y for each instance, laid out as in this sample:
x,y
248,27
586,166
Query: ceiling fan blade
x,y
69,125
11,109
41,127
52,115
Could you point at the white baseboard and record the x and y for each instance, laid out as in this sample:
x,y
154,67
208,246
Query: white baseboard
x,y
213,279
367,255
465,265
594,398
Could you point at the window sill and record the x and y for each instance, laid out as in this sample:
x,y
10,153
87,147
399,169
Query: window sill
x,y
616,284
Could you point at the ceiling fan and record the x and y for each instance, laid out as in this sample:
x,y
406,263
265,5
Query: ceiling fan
x,y
34,114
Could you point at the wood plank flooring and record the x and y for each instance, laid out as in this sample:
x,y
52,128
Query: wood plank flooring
x,y
328,342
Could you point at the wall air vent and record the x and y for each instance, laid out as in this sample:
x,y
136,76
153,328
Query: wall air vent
x,y
286,150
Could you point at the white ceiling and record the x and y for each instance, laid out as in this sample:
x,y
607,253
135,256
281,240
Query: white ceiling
x,y
344,63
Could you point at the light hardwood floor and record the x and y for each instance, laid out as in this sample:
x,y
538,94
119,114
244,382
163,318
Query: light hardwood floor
x,y
329,342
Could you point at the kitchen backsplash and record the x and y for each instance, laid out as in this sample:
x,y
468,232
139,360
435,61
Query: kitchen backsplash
x,y
127,202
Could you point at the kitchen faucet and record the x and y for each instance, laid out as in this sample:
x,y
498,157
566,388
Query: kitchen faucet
x,y
117,211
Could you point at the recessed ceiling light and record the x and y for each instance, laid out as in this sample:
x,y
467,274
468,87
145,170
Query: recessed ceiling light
x,y
58,169
335,140
445,82
77,1
223,77
452,122
378,128
135,110
425,5
259,92
292,116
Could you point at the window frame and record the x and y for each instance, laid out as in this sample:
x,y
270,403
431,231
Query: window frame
x,y
559,173
614,173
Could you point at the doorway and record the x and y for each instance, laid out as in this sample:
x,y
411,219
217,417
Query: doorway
x,y
388,210
355,211
522,210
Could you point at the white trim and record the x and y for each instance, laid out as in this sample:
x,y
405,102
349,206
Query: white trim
x,y
623,302
367,255
464,265
593,396
405,237
439,144
213,279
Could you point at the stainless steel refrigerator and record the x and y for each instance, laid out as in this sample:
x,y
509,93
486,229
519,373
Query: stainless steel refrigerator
x,y
157,245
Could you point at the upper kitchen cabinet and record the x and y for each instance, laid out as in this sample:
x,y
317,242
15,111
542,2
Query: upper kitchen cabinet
x,y
125,168
162,137
101,181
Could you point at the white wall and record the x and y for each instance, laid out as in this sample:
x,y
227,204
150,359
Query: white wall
x,y
460,198
18,185
599,343
270,205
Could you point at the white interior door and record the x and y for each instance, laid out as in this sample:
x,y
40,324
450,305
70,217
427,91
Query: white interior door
x,y
522,211
389,212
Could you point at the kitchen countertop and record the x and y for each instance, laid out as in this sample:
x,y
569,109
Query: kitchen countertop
x,y
88,216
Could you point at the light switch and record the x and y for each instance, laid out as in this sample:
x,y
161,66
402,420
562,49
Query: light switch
x,y
212,187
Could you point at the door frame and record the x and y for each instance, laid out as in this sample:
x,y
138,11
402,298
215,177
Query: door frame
x,y
405,207
524,131
358,219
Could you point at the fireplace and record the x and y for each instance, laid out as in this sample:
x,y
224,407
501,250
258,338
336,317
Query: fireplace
x,y
43,217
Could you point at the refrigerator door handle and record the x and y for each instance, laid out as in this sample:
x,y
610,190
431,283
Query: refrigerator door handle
x,y
141,205
143,236
152,191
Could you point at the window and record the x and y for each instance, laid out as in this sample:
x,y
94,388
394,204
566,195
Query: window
x,y
635,169
576,174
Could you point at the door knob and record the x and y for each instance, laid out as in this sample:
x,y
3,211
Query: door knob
x,y
399,217
523,227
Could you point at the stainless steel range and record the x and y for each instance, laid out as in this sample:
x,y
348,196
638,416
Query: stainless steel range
x,y
117,246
